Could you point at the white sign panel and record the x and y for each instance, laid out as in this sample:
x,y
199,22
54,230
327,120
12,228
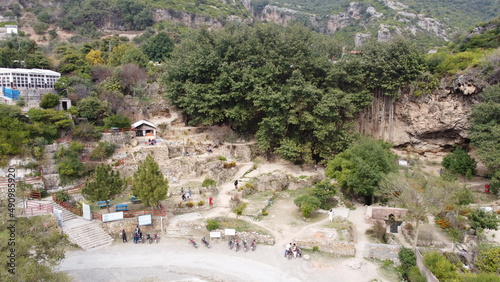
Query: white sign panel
x,y
403,163
112,216
86,212
145,219
59,216
214,234
229,232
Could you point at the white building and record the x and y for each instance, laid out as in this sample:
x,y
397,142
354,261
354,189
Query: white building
x,y
28,78
11,29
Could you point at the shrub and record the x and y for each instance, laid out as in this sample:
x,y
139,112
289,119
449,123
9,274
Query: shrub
x,y
409,228
190,204
200,203
307,204
230,165
180,204
86,132
488,260
212,224
102,151
264,213
40,28
441,267
238,210
49,101
460,162
208,182
414,275
62,196
378,231
315,249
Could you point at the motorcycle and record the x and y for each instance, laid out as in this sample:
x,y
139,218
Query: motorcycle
x,y
149,238
253,245
245,247
231,243
156,238
237,245
141,238
193,243
206,242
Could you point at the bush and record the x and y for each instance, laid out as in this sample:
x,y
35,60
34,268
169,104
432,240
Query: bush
x,y
414,275
200,203
488,260
86,132
315,249
40,28
307,204
102,151
222,158
62,196
212,224
208,183
460,162
190,204
238,210
441,267
378,231
49,101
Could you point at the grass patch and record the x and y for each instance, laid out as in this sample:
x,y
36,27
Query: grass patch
x,y
239,225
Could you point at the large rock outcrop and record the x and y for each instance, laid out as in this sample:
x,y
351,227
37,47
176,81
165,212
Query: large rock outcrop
x,y
427,123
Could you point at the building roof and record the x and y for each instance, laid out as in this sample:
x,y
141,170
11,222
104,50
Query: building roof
x,y
141,122
31,71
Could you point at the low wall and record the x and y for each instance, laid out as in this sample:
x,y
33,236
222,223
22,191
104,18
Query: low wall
x,y
338,248
119,138
423,269
382,213
382,251
115,227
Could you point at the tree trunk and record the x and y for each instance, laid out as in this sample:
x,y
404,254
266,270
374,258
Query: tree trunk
x,y
391,119
382,118
416,236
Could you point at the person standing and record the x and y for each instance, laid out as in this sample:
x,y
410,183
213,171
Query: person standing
x,y
124,236
236,184
189,192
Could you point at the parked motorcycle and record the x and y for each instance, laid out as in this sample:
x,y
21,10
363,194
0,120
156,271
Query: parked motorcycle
x,y
237,245
149,238
245,247
206,242
253,245
156,238
231,243
193,243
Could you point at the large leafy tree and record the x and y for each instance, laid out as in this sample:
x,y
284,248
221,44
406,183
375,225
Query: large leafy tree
x,y
149,183
267,80
158,47
39,247
105,185
359,169
418,192
460,162
485,133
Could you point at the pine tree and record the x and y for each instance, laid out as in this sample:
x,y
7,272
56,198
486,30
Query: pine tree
x,y
149,184
105,185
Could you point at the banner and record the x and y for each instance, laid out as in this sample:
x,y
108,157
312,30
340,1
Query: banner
x,y
112,216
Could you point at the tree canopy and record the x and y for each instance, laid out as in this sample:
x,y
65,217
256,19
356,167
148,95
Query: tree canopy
x,y
149,183
104,185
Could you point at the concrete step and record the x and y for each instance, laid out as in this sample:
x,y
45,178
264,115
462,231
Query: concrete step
x,y
67,215
88,236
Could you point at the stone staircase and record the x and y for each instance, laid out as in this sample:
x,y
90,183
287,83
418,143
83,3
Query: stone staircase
x,y
86,234
67,215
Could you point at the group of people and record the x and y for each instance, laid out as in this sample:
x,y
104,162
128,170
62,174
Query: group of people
x,y
186,196
151,141
293,249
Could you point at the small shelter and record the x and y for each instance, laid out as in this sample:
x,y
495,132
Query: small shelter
x,y
144,128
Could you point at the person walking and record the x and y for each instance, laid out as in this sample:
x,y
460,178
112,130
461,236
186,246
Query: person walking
x,y
189,192
236,184
124,236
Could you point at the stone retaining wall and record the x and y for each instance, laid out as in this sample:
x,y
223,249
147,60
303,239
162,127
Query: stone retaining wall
x,y
115,227
337,248
120,139
382,252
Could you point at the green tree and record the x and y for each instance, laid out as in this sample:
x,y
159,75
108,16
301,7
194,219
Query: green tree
x,y
324,191
421,194
39,247
118,120
135,56
359,169
485,133
149,183
49,101
460,162
102,151
93,109
105,185
408,260
158,47
441,267
307,204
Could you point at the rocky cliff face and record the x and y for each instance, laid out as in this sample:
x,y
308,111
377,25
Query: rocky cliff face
x,y
428,123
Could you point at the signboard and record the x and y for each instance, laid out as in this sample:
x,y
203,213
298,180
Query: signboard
x,y
145,219
59,216
214,234
112,216
86,212
403,163
229,232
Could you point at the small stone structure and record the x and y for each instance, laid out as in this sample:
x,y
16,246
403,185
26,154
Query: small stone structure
x,y
382,251
337,248
382,213
145,128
